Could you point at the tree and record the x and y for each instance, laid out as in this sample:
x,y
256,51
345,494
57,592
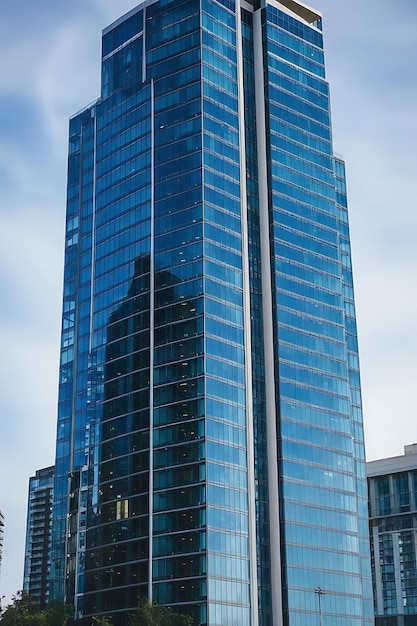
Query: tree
x,y
58,614
25,611
154,615
22,610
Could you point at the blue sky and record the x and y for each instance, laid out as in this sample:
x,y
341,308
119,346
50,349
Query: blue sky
x,y
50,55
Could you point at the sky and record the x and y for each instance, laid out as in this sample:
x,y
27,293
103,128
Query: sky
x,y
50,68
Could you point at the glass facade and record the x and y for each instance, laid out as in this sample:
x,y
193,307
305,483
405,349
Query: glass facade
x,y
210,446
392,522
36,576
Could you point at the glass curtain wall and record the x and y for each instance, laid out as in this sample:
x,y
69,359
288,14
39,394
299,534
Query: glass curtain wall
x,y
210,446
320,450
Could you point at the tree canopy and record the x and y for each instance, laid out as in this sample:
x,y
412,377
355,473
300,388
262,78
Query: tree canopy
x,y
152,614
102,621
24,610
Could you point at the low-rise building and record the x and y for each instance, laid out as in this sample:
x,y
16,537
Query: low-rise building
x,y
392,484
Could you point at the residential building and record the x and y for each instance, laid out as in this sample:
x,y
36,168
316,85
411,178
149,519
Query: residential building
x,y
210,448
1,538
392,484
38,535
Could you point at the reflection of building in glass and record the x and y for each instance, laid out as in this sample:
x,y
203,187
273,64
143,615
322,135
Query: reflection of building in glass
x,y
209,444
392,484
38,535
121,518
1,538
118,524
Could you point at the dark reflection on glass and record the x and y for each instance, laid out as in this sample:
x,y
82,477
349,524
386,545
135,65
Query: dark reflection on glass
x,y
118,536
119,520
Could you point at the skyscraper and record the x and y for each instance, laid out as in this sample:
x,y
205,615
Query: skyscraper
x,y
392,519
38,535
210,445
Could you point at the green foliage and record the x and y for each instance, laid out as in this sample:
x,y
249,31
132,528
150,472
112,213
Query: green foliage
x,y
25,611
20,611
102,621
154,615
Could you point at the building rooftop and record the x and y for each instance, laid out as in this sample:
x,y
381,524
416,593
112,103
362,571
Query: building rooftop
x,y
394,464
302,10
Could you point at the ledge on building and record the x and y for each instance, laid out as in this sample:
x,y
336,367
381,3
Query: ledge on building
x,y
299,8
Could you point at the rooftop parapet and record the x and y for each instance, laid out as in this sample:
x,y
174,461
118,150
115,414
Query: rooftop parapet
x,y
302,10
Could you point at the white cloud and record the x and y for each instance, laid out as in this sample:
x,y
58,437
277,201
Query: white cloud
x,y
68,79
